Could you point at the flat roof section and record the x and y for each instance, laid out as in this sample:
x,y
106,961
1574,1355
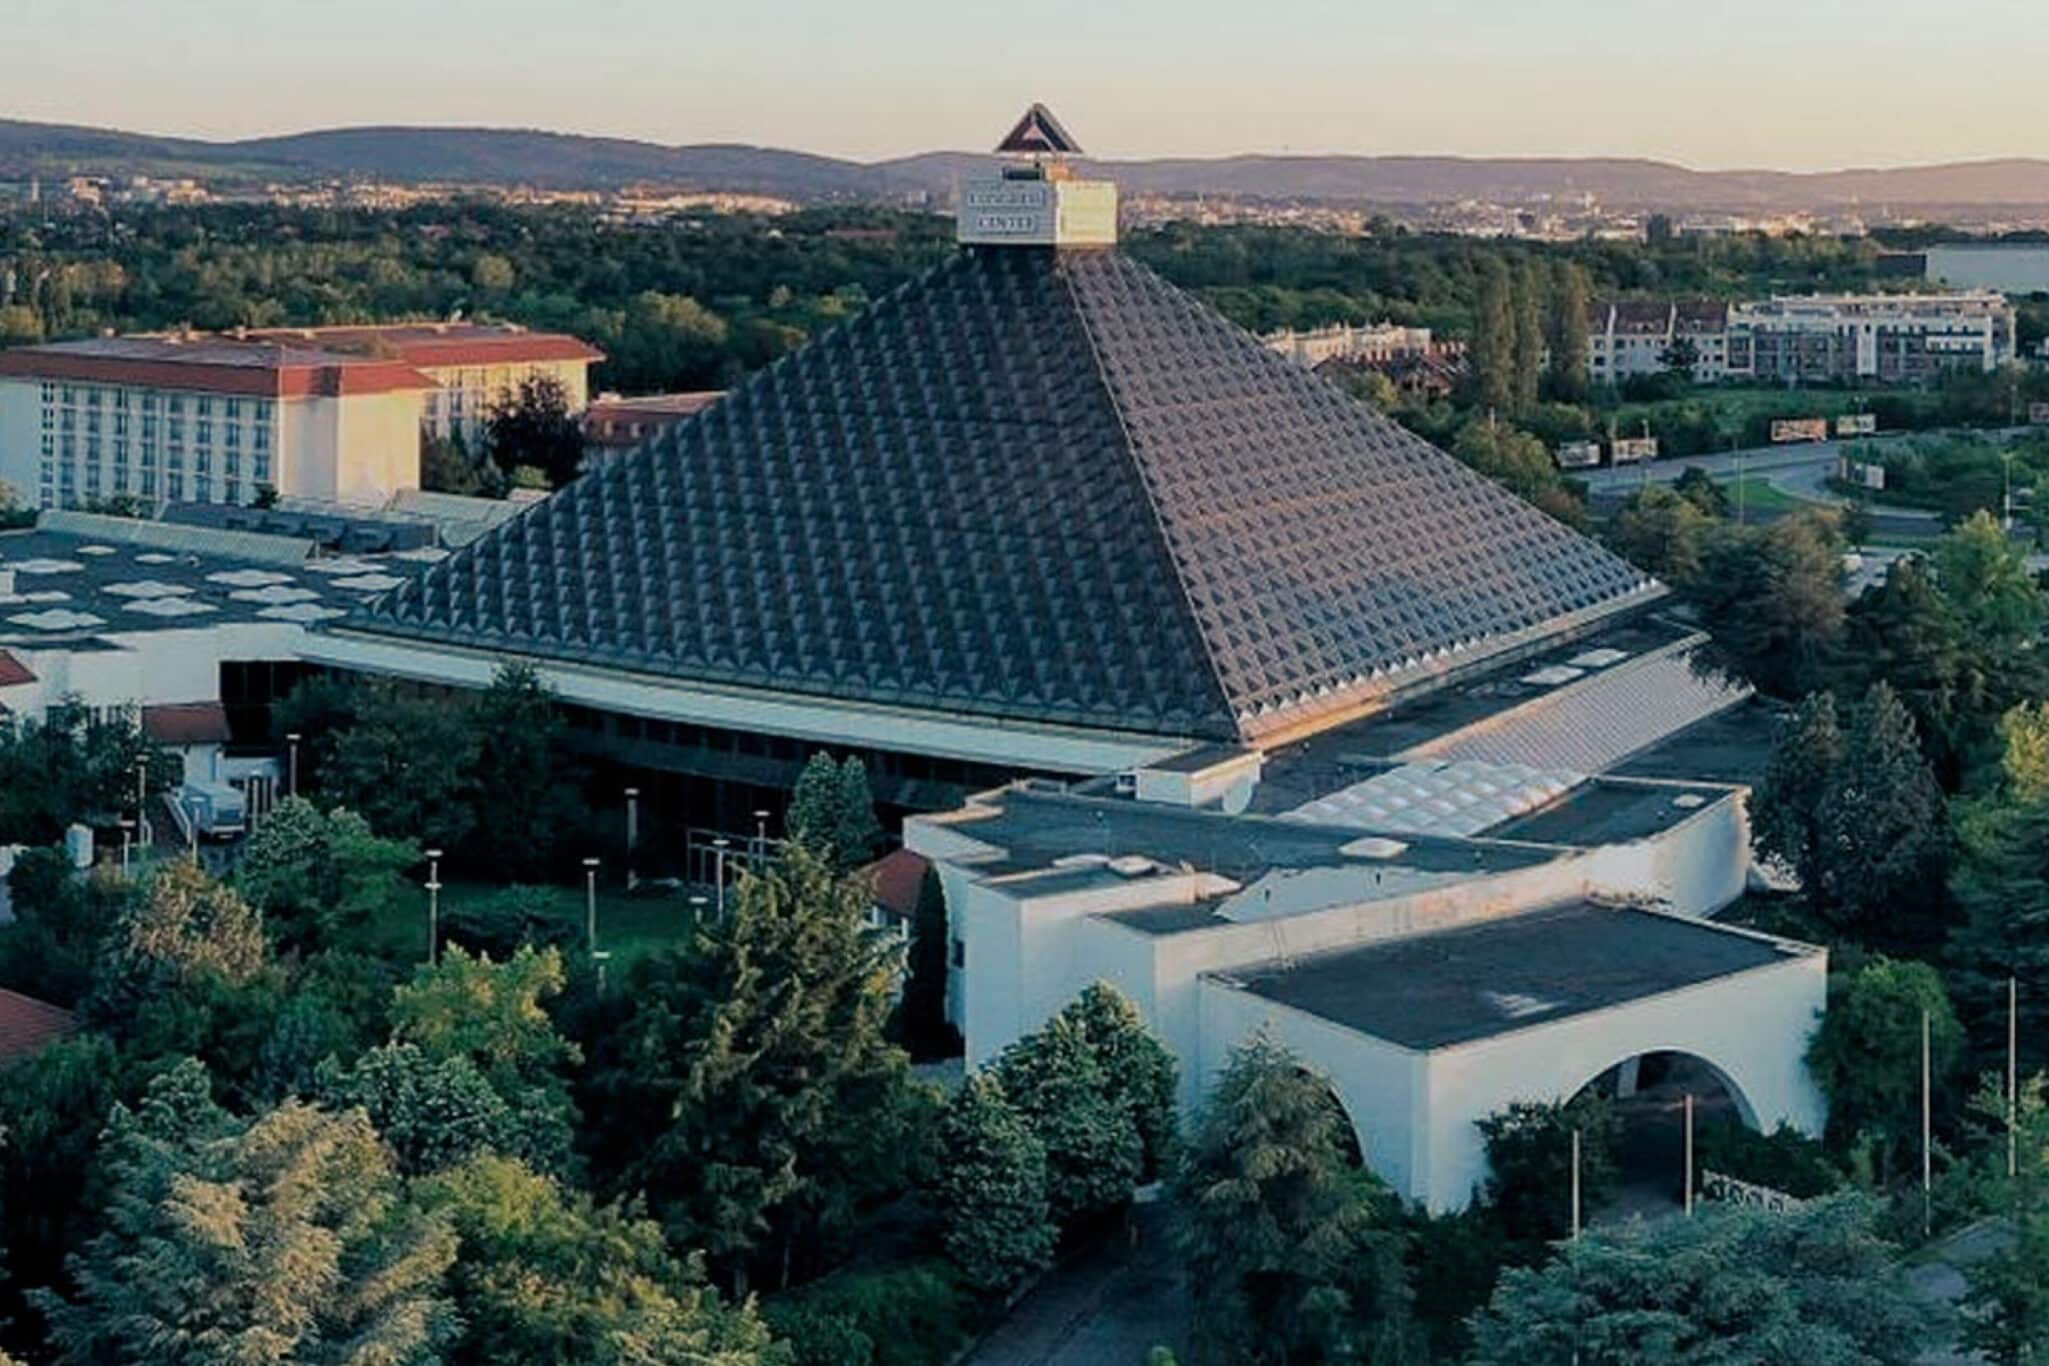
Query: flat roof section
x,y
1607,812
1036,829
70,589
1456,986
1732,746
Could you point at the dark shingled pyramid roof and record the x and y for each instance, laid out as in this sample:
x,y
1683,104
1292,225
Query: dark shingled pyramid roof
x,y
1032,484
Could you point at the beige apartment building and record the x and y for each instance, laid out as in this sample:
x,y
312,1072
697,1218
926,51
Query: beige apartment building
x,y
473,365
328,414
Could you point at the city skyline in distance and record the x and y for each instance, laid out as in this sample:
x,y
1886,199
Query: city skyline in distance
x,y
1740,86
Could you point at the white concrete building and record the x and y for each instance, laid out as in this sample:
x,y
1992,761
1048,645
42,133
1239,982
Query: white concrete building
x,y
1886,338
1373,344
1631,337
1440,911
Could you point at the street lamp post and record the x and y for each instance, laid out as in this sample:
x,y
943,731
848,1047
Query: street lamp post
x,y
141,791
719,864
760,850
127,833
632,833
590,904
292,769
697,904
192,826
433,907
601,957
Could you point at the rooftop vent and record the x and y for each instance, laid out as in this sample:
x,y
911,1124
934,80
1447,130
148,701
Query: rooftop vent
x,y
1553,676
1132,865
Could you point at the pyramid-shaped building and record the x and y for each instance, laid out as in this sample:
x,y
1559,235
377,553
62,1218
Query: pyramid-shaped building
x,y
1036,486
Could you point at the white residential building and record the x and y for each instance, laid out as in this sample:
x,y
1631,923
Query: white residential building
x,y
1887,338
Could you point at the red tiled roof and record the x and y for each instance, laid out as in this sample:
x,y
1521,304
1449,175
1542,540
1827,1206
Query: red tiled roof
x,y
214,365
27,1025
186,723
13,671
898,875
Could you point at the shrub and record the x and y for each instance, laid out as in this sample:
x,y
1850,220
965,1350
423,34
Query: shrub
x,y
913,1315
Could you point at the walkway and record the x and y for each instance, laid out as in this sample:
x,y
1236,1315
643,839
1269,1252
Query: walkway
x,y
1107,1307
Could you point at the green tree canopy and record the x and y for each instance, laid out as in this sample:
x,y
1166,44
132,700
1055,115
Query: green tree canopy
x,y
492,1016
285,1239
532,428
544,1276
1283,1242
1529,1163
791,1103
1726,1285
318,877
991,1188
1866,1056
1662,532
1772,597
1094,1152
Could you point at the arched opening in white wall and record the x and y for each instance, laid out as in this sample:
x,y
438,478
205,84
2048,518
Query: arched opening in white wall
x,y
1649,1093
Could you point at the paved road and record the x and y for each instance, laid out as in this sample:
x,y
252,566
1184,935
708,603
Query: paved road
x,y
1108,1307
1758,460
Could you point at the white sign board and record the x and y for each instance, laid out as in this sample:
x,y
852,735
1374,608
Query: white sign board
x,y
1716,1186
1045,213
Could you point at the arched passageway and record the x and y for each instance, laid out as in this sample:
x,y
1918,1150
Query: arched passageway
x,y
1649,1094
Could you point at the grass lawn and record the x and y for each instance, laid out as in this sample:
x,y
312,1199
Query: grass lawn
x,y
629,926
1758,495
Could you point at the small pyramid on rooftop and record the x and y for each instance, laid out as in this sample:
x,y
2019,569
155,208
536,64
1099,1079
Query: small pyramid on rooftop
x,y
1038,133
1037,484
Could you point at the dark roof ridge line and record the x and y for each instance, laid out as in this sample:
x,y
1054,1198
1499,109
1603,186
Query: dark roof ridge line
x,y
1152,504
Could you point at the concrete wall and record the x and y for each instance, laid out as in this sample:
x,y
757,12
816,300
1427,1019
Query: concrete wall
x,y
1753,1028
147,667
1696,867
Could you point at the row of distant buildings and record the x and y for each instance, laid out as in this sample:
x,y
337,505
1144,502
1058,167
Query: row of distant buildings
x,y
630,203
1807,339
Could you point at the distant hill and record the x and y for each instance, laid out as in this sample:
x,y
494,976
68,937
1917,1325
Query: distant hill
x,y
567,160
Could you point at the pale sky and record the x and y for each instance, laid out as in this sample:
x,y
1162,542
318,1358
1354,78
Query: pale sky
x,y
1794,84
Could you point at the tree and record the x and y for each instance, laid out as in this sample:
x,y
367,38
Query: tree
x,y
1986,575
74,765
1866,1056
532,428
791,1103
1729,1284
2000,883
1662,532
406,764
1786,808
1882,831
1528,304
991,1188
1493,344
1529,1163
1571,302
1772,598
186,926
1274,1229
1699,488
491,1015
320,877
927,1031
435,1114
1094,1153
544,1276
2006,1296
1138,1068
52,1108
832,811
522,761
285,1239
1905,633
1680,357
1518,462
446,466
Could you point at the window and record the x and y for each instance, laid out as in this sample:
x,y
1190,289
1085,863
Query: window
x,y
149,403
234,491
262,468
232,409
203,405
263,410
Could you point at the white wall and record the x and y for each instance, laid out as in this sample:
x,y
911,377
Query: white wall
x,y
21,436
1753,1028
